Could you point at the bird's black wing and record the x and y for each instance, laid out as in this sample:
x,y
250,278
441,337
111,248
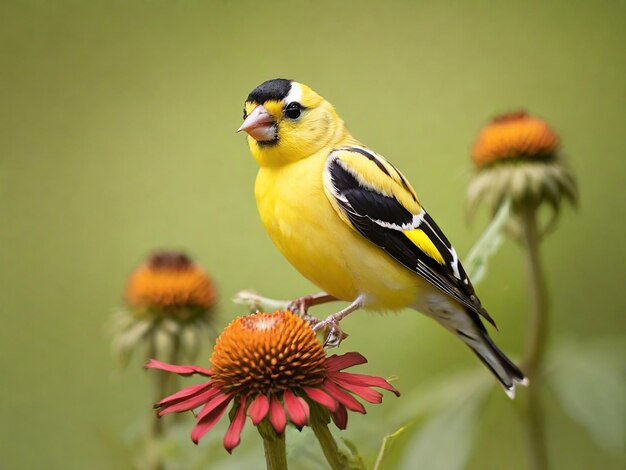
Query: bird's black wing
x,y
376,200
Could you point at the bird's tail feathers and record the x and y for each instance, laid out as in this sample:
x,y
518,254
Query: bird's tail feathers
x,y
466,324
507,373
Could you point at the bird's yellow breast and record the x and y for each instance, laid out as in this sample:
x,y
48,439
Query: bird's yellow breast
x,y
308,231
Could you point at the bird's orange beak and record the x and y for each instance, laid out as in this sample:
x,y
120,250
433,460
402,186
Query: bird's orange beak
x,y
260,125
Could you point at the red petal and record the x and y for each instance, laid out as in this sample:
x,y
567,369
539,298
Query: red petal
x,y
232,438
184,393
366,393
297,408
277,415
181,370
342,397
206,423
364,380
214,403
258,409
321,397
344,361
191,402
340,417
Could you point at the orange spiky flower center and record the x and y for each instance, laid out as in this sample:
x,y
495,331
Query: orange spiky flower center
x,y
512,136
266,353
170,280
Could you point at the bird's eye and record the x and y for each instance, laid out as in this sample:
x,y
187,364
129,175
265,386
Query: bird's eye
x,y
293,110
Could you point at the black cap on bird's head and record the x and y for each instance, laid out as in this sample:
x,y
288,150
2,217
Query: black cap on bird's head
x,y
275,90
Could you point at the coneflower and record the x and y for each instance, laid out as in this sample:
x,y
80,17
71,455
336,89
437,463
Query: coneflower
x,y
272,368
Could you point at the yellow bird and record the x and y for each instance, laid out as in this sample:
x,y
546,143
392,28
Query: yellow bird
x,y
351,223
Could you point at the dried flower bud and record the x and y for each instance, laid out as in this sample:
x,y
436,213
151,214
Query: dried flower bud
x,y
517,157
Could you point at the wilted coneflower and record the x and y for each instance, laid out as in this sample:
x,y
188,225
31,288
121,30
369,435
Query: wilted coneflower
x,y
517,158
169,307
272,367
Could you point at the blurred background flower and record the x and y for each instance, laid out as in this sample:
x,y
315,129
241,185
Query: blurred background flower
x,y
169,312
517,158
117,135
169,309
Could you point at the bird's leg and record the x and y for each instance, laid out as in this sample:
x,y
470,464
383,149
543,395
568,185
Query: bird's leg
x,y
335,335
301,305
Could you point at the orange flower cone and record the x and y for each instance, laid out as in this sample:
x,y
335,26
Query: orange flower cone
x,y
169,281
514,136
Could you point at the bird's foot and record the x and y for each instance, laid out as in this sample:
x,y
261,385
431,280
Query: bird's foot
x,y
301,305
333,334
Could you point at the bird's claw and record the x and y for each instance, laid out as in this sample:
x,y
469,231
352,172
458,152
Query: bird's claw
x,y
300,306
334,335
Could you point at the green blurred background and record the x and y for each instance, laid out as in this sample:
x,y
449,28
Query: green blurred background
x,y
117,125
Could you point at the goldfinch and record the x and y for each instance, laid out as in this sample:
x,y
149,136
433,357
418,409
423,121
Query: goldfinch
x,y
351,223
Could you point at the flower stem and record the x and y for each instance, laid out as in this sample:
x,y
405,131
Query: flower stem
x,y
328,444
536,340
161,386
274,446
337,459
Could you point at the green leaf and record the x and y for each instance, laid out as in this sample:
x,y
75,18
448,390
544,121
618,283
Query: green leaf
x,y
477,260
445,442
388,443
590,382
